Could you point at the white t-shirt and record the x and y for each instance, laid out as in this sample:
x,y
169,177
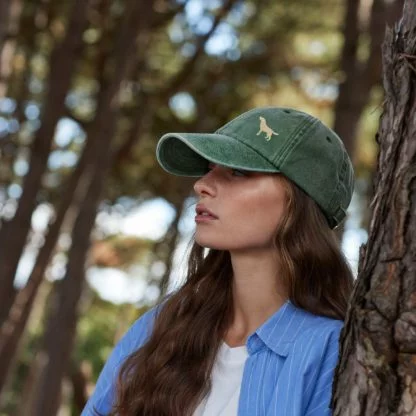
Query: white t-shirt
x,y
227,374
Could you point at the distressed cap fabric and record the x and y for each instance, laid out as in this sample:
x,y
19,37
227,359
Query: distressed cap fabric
x,y
270,139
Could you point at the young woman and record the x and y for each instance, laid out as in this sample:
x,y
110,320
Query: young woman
x,y
254,330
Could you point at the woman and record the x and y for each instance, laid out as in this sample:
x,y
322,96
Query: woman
x,y
254,330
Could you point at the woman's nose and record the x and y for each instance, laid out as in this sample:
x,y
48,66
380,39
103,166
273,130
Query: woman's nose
x,y
205,185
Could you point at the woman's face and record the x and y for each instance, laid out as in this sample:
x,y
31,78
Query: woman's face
x,y
245,207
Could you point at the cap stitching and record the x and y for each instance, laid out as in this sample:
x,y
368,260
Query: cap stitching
x,y
298,134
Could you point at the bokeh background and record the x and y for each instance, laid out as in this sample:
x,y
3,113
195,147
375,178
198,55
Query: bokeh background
x,y
92,231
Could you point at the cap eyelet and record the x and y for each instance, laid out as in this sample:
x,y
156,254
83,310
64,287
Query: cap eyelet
x,y
328,139
286,111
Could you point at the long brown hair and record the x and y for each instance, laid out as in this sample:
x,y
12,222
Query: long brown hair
x,y
170,373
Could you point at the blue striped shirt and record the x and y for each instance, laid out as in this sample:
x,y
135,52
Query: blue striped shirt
x,y
289,370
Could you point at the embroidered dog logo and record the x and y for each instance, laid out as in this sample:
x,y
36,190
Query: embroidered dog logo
x,y
264,128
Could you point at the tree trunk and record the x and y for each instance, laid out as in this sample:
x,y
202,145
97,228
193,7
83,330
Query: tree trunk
x,y
12,329
16,83
376,374
360,77
4,23
14,233
79,387
10,11
26,395
61,325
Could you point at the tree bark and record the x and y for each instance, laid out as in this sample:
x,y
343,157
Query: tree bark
x,y
61,325
376,374
13,233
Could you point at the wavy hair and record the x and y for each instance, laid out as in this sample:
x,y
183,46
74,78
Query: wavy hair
x,y
170,374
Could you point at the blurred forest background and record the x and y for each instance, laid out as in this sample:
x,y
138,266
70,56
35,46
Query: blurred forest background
x,y
92,231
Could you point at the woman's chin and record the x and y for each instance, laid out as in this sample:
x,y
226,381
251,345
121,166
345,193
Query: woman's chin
x,y
207,243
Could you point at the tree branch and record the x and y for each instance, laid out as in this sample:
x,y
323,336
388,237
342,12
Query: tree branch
x,y
183,75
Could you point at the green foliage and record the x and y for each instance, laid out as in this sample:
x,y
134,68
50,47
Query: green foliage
x,y
98,330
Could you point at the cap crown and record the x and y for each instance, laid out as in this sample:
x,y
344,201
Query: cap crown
x,y
303,149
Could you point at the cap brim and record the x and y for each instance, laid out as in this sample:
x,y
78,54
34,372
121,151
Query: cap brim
x,y
188,154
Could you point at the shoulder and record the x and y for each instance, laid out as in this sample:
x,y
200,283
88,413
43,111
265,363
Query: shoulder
x,y
317,332
315,349
306,348
322,326
293,329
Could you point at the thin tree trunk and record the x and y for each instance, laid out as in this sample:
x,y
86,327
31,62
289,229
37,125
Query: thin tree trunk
x,y
31,380
10,11
377,370
4,22
13,328
359,78
17,85
14,233
60,331
79,387
19,82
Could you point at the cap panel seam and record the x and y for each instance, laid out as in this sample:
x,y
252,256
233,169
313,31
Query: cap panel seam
x,y
291,144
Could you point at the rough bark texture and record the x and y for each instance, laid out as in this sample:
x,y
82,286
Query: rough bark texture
x,y
377,371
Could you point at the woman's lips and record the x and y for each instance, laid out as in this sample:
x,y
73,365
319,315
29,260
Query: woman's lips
x,y
203,214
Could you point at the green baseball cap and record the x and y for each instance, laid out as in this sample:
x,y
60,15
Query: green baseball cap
x,y
270,139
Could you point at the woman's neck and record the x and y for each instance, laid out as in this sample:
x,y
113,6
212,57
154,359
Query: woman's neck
x,y
257,294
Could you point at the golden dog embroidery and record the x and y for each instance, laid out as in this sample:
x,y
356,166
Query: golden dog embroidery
x,y
264,128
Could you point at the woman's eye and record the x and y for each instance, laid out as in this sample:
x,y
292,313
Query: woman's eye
x,y
238,172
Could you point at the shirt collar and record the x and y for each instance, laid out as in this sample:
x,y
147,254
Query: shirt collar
x,y
279,331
